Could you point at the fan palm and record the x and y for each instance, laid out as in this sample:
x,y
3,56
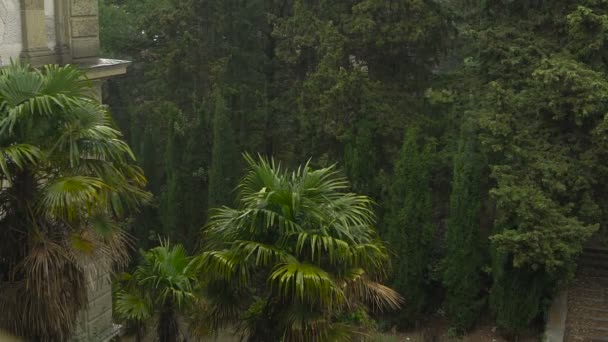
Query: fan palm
x,y
163,285
66,178
297,253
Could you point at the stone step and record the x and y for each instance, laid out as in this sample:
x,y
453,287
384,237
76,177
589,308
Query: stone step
x,y
597,324
586,291
589,301
593,263
590,273
589,313
587,319
595,250
600,330
599,258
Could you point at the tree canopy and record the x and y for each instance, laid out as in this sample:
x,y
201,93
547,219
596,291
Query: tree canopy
x,y
477,127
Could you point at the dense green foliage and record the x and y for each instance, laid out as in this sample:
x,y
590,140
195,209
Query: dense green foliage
x,y
297,253
224,165
410,225
66,181
492,218
464,246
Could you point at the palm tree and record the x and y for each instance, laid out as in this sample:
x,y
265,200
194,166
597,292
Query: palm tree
x,y
297,254
66,178
163,285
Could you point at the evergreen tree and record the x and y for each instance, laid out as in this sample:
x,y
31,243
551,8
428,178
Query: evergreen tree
x,y
464,255
224,166
360,158
340,80
517,294
172,212
410,225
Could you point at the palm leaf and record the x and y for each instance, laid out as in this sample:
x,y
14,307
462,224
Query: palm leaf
x,y
20,155
307,283
133,306
65,196
261,254
378,296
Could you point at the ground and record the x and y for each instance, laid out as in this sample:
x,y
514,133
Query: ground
x,y
436,330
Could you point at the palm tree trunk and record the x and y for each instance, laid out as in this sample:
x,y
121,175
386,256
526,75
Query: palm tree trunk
x,y
15,234
266,327
168,327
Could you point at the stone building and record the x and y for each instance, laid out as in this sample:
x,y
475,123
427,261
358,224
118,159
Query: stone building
x,y
40,32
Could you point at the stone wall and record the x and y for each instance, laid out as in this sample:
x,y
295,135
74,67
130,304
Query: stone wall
x,y
10,31
49,20
84,29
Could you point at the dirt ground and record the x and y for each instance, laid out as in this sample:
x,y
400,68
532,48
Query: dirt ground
x,y
436,330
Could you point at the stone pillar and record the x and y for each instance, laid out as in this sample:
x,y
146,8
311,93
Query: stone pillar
x,y
33,25
95,324
84,30
62,32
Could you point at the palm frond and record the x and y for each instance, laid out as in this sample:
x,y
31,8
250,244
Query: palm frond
x,y
372,293
65,80
28,94
19,155
260,254
133,306
318,246
65,196
306,283
224,265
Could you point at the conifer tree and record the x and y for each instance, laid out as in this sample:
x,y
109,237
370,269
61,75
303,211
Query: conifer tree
x,y
224,155
171,200
464,256
410,226
517,294
360,158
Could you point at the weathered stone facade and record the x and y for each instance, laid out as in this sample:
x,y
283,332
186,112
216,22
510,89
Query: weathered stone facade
x,y
42,32
54,31
96,323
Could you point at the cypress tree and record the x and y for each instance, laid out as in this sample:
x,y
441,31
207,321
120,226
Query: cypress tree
x,y
224,155
410,226
172,196
360,157
517,294
464,256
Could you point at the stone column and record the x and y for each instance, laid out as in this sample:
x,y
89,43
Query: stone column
x,y
35,50
95,323
84,30
62,32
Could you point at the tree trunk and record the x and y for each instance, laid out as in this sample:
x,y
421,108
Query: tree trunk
x,y
168,327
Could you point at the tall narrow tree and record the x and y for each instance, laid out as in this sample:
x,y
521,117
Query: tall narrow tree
x,y
410,225
224,156
464,257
